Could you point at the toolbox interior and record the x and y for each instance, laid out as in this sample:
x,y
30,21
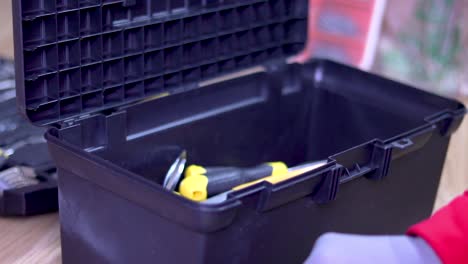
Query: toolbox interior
x,y
295,114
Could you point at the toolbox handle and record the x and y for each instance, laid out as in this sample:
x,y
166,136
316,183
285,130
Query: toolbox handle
x,y
371,160
377,165
383,154
375,157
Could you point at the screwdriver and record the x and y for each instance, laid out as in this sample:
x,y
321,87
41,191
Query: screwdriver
x,y
202,182
293,172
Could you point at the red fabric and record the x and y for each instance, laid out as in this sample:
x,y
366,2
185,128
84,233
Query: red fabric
x,y
447,231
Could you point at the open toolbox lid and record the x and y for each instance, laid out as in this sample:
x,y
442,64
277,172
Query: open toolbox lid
x,y
76,57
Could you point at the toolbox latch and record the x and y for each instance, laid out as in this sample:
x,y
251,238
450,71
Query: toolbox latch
x,y
447,121
328,188
381,159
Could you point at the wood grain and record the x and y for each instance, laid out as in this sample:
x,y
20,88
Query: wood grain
x,y
30,240
37,239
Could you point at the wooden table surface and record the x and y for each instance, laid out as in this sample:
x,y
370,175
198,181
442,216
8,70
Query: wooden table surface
x,y
37,239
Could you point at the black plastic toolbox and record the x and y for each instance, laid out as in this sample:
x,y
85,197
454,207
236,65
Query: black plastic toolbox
x,y
121,82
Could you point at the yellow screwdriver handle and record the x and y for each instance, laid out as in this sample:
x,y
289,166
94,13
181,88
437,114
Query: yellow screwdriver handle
x,y
279,178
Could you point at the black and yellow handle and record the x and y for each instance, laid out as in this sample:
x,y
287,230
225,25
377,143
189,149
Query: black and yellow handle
x,y
202,182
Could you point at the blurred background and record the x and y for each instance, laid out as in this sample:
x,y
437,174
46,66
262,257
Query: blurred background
x,y
424,43
420,42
